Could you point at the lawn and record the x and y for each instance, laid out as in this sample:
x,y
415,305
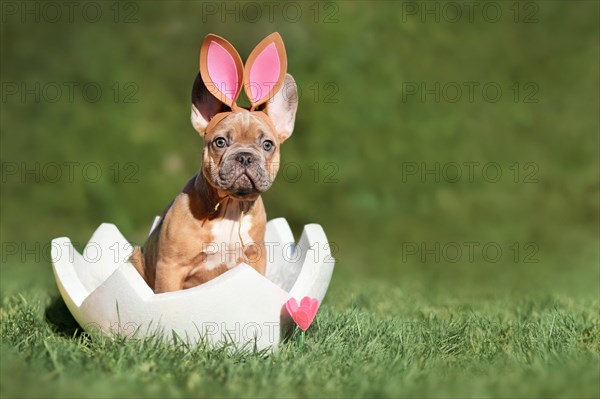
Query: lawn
x,y
465,224
369,340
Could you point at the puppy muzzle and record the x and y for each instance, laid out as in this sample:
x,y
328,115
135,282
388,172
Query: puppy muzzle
x,y
243,173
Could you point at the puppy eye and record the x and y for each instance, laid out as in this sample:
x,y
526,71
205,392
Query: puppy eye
x,y
268,145
220,142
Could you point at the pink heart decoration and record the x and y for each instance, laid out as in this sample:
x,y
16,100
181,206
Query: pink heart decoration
x,y
303,314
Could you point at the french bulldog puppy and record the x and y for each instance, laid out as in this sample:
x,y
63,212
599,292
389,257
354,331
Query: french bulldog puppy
x,y
219,220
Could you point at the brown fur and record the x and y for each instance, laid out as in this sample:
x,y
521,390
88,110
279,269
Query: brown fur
x,y
172,257
182,251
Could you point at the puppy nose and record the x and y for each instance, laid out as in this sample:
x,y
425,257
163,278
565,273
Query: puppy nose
x,y
245,158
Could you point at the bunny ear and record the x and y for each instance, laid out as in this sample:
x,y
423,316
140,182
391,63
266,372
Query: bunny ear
x,y
265,70
221,69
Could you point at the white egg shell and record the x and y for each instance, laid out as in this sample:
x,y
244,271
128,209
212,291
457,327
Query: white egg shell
x,y
104,291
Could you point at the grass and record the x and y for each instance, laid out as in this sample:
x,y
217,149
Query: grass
x,y
391,325
369,340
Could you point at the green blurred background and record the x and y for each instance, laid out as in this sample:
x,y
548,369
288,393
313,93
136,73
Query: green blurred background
x,y
361,130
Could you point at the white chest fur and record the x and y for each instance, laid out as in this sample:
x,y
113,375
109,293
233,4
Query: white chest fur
x,y
230,236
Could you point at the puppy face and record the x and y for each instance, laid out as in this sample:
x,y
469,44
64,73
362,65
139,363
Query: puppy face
x,y
241,152
241,155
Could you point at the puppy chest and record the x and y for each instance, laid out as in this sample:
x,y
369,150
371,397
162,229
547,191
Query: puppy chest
x,y
229,239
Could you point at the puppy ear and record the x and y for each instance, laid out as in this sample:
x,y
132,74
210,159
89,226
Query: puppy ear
x,y
265,69
281,109
204,105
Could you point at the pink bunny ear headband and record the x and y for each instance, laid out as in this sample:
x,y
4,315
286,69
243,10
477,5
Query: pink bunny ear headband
x,y
224,74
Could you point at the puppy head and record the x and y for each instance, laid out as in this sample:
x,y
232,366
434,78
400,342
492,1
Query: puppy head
x,y
241,152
